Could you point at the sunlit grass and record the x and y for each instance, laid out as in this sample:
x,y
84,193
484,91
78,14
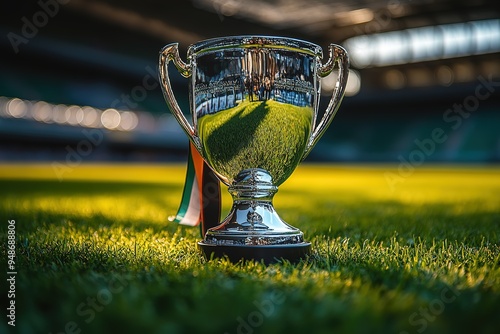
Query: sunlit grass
x,y
382,256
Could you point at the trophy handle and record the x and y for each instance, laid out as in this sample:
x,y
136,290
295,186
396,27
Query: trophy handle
x,y
337,55
168,53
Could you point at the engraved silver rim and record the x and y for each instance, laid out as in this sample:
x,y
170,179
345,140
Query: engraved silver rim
x,y
247,41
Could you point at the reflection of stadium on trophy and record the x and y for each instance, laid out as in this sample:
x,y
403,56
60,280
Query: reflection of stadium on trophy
x,y
225,78
254,101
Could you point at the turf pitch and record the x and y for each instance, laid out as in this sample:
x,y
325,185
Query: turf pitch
x,y
96,254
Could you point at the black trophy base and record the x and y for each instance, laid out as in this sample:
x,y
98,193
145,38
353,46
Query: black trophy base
x,y
266,253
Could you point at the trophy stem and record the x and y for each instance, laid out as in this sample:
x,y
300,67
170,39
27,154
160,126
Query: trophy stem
x,y
253,229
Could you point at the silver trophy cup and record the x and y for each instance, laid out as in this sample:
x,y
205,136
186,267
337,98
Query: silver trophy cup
x,y
254,107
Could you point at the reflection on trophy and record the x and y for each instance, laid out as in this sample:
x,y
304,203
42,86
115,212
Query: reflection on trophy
x,y
254,105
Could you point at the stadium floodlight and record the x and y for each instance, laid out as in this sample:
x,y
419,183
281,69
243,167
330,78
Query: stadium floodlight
x,y
425,44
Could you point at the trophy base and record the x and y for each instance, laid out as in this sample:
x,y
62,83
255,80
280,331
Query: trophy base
x,y
253,230
265,253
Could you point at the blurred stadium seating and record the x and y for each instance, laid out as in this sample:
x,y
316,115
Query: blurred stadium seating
x,y
73,71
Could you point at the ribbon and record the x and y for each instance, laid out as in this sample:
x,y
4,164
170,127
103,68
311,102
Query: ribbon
x,y
201,197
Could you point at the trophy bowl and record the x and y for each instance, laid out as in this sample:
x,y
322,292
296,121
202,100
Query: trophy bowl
x,y
254,107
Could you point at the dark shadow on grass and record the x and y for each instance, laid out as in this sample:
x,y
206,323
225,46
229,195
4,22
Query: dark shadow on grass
x,y
434,302
79,187
368,219
28,222
150,192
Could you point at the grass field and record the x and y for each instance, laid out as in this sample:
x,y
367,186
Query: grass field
x,y
95,254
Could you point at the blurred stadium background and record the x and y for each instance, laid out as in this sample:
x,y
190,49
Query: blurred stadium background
x,y
80,75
